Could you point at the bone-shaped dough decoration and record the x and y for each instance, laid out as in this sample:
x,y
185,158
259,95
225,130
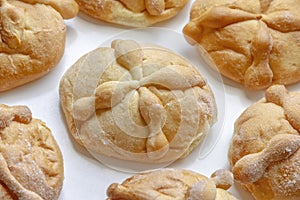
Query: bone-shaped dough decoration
x,y
134,13
170,184
137,102
252,167
249,42
290,102
13,185
259,73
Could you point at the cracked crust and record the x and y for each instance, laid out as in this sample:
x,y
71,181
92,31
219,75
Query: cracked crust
x,y
265,149
144,104
173,184
255,43
31,164
134,13
32,39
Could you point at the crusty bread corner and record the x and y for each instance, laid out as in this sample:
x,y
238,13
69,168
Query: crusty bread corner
x,y
32,40
31,162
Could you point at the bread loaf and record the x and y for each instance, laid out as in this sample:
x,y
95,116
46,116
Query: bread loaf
x,y
33,37
138,103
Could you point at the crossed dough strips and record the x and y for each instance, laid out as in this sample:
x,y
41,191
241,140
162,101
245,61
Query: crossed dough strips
x,y
136,103
173,184
32,38
31,164
135,13
255,43
265,150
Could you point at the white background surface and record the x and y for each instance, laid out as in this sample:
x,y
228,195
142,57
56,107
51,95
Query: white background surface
x,y
86,178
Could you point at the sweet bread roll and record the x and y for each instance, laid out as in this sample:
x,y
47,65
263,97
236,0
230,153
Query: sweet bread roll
x,y
265,149
32,38
255,43
135,13
173,184
138,103
31,164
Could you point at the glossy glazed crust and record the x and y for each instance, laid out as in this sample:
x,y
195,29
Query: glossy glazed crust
x,y
135,13
257,43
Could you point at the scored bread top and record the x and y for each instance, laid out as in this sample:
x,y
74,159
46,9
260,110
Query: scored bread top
x,y
141,103
255,43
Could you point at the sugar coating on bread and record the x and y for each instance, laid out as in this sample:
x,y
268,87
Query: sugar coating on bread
x,y
31,164
8,114
264,152
32,38
255,43
140,103
135,13
172,184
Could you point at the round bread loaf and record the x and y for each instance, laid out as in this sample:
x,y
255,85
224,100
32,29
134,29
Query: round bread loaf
x,y
265,149
171,183
255,43
136,103
32,38
31,164
135,13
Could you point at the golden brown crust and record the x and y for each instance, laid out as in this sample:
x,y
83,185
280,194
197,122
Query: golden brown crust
x,y
265,149
31,164
67,8
143,103
135,13
32,40
255,43
172,184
